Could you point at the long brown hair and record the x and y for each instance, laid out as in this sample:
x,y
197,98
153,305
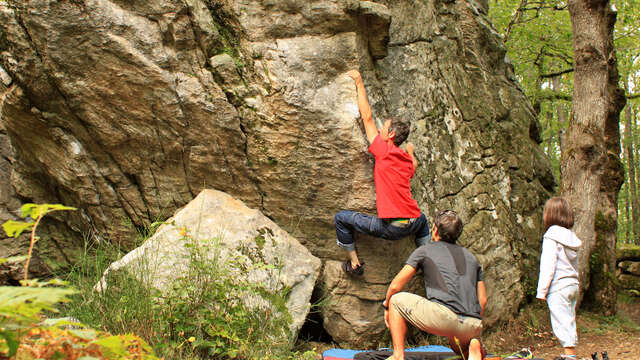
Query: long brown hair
x,y
557,212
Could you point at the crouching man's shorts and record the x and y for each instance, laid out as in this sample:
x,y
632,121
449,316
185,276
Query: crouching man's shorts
x,y
435,318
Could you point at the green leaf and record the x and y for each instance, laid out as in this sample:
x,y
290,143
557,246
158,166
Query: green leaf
x,y
88,334
59,322
29,210
36,210
12,342
15,228
58,355
21,305
38,283
113,344
13,259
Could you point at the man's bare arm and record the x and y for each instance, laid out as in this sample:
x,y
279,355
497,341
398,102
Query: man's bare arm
x,y
482,296
410,149
398,282
363,105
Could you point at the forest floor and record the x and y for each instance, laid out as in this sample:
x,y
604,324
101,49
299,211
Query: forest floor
x,y
618,335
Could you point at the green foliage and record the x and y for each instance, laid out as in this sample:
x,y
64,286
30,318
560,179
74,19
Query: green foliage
x,y
538,41
22,308
55,340
12,259
34,211
125,307
210,304
117,347
204,314
538,37
15,228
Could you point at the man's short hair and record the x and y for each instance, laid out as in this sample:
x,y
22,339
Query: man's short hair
x,y
449,225
401,129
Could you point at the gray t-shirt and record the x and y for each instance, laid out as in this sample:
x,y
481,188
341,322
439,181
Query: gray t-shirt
x,y
451,274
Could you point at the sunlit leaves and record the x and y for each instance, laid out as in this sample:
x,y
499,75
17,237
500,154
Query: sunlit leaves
x,y
34,211
15,228
539,45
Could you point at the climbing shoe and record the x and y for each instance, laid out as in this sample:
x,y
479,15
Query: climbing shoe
x,y
358,271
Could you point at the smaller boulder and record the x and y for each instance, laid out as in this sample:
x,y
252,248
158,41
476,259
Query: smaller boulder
x,y
284,266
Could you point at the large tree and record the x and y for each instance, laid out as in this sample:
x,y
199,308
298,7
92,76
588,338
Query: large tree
x,y
591,168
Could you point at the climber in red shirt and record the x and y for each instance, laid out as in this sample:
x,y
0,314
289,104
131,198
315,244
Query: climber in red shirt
x,y
398,213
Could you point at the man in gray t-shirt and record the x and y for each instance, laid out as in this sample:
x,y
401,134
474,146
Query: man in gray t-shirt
x,y
455,292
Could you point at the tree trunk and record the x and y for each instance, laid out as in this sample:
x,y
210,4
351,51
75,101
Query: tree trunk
x,y
628,237
549,141
636,154
634,145
592,171
562,116
628,150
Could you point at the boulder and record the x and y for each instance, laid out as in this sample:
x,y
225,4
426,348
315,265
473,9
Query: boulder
x,y
237,232
128,109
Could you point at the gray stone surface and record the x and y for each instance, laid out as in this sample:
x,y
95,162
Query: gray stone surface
x,y
216,216
116,109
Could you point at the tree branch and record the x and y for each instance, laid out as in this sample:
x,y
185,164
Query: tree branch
x,y
633,96
514,20
558,73
552,95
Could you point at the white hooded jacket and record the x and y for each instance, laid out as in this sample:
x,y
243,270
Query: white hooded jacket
x,y
558,261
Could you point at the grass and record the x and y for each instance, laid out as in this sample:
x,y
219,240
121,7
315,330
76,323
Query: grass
x,y
127,307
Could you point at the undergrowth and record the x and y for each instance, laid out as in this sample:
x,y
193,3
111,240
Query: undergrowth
x,y
25,331
532,326
204,314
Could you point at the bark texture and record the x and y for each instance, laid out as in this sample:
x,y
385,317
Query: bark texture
x,y
592,171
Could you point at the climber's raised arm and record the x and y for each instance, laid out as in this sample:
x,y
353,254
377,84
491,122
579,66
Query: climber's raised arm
x,y
363,105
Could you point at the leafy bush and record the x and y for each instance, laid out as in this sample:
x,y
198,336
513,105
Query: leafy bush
x,y
21,307
60,342
25,334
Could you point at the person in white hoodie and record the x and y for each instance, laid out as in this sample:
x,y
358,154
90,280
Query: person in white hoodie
x,y
558,280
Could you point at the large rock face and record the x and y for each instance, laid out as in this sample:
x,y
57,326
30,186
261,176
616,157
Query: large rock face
x,y
127,109
224,226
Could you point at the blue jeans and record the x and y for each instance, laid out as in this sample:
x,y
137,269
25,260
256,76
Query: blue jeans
x,y
349,221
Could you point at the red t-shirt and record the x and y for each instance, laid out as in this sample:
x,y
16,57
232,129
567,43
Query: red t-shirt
x,y
392,174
